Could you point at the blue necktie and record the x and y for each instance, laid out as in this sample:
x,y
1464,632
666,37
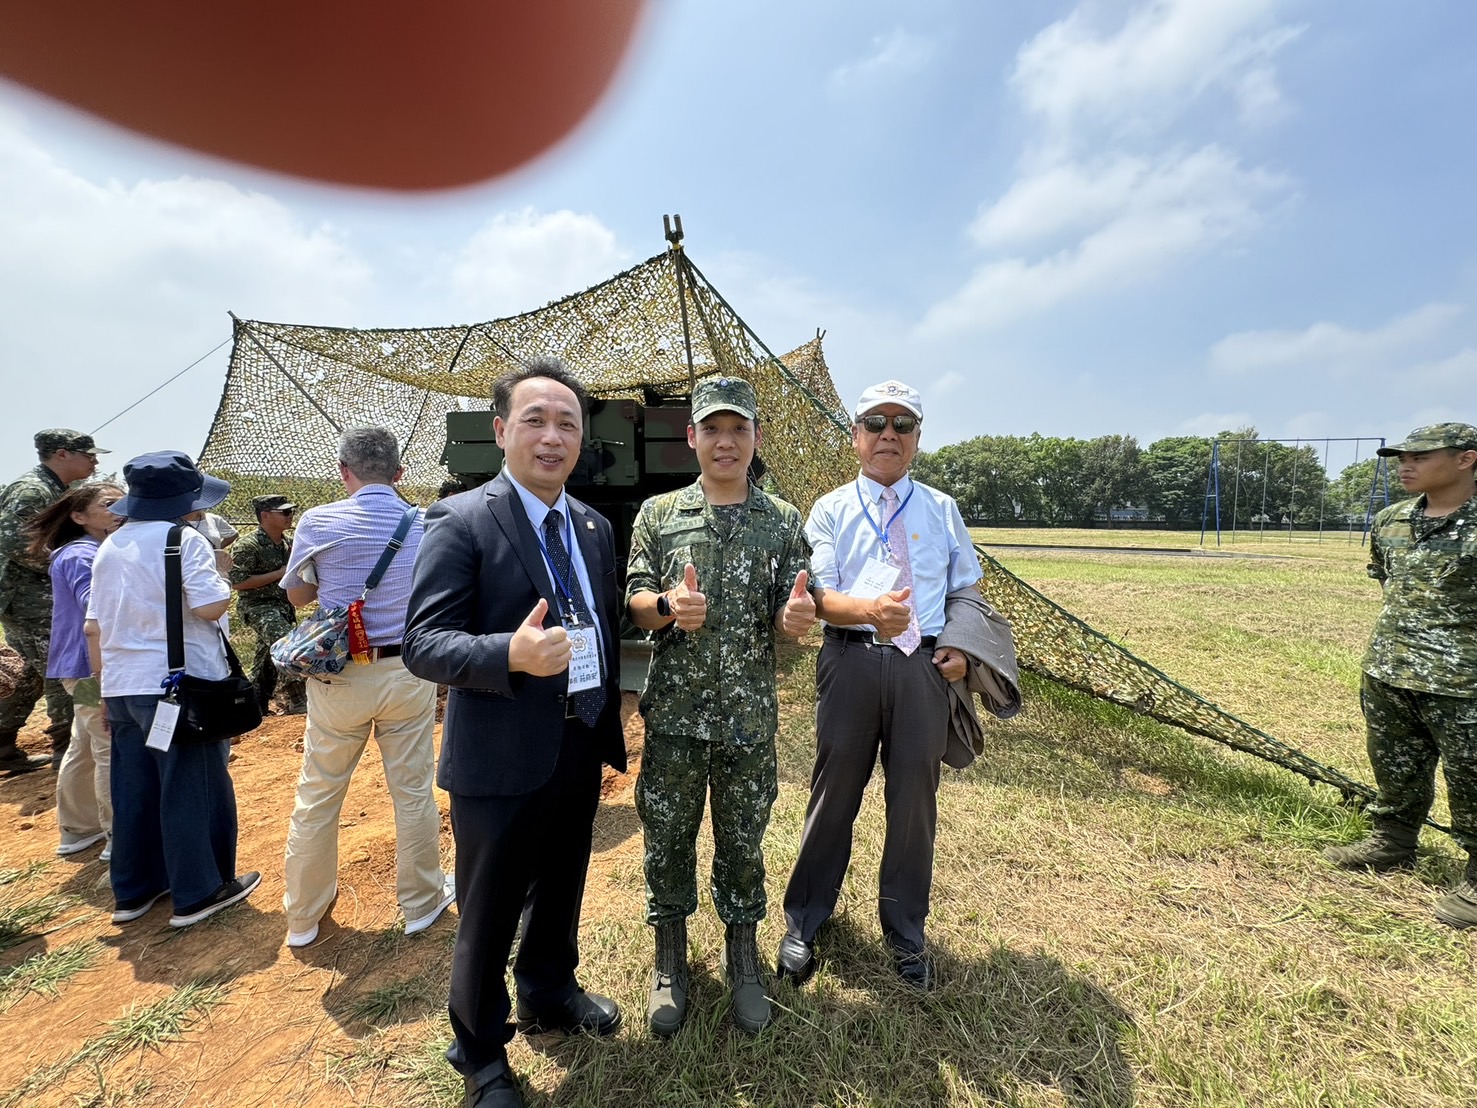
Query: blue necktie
x,y
587,703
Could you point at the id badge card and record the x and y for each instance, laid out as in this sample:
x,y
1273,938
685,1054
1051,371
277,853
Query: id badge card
x,y
584,658
877,577
161,734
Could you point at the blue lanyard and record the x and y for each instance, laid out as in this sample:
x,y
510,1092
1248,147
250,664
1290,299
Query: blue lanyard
x,y
881,531
565,592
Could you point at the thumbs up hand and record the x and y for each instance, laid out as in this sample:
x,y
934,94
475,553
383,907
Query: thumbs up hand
x,y
890,614
537,650
798,614
688,604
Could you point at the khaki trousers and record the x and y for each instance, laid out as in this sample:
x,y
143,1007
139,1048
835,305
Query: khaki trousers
x,y
84,799
400,709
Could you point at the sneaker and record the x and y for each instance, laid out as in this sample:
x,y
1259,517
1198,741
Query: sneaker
x,y
76,844
296,939
223,897
126,911
107,854
448,895
14,760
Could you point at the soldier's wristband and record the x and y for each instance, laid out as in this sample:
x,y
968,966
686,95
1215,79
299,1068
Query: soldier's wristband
x,y
663,606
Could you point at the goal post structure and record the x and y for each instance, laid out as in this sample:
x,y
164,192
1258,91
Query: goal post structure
x,y
1285,515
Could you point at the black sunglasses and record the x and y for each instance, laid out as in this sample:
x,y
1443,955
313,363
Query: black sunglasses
x,y
902,424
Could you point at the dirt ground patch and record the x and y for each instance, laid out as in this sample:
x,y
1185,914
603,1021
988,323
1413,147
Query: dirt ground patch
x,y
284,1016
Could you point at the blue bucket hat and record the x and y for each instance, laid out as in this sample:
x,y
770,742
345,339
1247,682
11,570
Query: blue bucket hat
x,y
167,485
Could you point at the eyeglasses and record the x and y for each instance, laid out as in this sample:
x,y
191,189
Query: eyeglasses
x,y
281,511
876,424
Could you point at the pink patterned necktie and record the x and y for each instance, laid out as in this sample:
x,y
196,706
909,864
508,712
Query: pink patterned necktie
x,y
897,542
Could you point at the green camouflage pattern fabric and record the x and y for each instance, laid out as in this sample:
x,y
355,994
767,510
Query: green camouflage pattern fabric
x,y
717,683
1425,637
256,553
25,585
270,624
30,637
677,772
1408,732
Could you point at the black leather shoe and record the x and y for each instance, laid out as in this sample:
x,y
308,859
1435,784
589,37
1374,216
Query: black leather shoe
x,y
590,1012
795,961
492,1087
915,969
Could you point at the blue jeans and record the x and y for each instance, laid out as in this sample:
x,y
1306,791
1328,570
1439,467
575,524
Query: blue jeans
x,y
174,812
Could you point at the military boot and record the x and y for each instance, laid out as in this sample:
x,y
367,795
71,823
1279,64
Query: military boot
x,y
751,1010
1390,845
667,1008
1458,908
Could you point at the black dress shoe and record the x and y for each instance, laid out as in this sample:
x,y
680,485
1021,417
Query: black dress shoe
x,y
492,1087
795,961
915,969
590,1012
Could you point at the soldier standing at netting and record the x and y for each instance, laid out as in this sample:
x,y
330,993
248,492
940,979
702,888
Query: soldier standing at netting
x,y
260,561
716,569
1419,689
25,592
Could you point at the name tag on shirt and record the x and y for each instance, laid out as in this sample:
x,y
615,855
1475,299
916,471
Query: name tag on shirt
x,y
161,734
584,658
877,577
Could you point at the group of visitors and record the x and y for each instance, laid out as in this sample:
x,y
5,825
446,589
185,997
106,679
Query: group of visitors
x,y
507,595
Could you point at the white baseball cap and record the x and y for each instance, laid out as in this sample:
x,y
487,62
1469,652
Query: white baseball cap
x,y
889,392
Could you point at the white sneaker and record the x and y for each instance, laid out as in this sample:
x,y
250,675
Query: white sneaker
x,y
107,854
302,938
76,844
448,895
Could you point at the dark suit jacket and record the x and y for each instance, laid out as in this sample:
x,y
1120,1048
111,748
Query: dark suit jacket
x,y
478,574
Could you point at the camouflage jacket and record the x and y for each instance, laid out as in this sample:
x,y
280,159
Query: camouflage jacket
x,y
23,581
1426,635
717,683
253,554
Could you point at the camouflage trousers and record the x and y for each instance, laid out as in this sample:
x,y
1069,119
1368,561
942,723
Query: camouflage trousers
x,y
1408,732
270,624
31,637
678,773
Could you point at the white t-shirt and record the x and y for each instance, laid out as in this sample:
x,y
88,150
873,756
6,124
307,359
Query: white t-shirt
x,y
128,603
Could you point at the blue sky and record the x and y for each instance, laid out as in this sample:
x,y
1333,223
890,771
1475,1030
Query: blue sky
x,y
1146,218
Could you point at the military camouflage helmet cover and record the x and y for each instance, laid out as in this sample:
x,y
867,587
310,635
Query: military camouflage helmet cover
x,y
274,502
1439,436
52,439
723,394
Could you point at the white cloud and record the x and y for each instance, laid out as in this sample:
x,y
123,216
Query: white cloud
x,y
1143,217
1209,424
1164,55
1330,347
895,54
521,260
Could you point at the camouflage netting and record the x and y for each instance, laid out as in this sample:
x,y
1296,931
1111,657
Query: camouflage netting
x,y
290,389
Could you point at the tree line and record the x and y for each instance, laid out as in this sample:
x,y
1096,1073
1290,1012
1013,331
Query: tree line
x,y
1008,479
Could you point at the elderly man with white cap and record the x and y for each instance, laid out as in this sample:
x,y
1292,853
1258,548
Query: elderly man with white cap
x,y
887,550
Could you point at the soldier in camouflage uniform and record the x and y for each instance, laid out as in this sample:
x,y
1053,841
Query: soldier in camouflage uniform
x,y
65,456
716,570
260,560
1419,689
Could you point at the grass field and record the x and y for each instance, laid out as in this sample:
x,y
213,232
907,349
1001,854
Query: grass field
x,y
1123,914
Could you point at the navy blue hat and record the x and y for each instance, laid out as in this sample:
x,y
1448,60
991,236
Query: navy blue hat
x,y
167,485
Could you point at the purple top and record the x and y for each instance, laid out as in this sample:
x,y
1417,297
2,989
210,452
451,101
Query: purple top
x,y
71,585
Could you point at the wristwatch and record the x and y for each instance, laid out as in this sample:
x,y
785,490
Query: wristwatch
x,y
663,606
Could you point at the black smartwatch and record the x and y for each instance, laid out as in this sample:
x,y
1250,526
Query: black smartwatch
x,y
663,606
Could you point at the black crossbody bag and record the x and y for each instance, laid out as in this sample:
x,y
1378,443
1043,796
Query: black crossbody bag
x,y
210,711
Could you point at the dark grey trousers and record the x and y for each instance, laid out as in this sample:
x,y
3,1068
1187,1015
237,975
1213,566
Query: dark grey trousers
x,y
871,699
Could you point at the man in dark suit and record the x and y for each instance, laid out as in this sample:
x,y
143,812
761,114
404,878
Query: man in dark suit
x,y
515,607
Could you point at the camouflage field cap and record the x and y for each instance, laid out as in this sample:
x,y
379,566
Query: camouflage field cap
x,y
1438,436
723,394
53,439
272,503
